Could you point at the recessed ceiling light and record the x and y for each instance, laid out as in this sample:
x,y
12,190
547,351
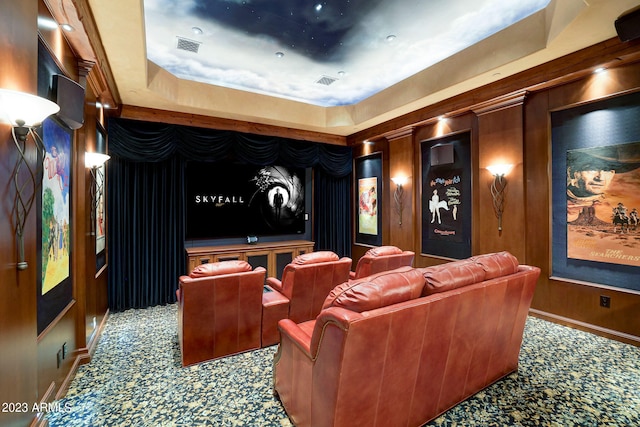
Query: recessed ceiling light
x,y
66,27
599,70
341,73
279,54
47,23
318,7
391,37
196,30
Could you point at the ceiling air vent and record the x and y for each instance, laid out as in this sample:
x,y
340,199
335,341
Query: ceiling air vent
x,y
188,45
326,80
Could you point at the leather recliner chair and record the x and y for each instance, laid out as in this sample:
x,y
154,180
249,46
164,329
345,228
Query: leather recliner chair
x,y
306,282
219,310
382,258
401,347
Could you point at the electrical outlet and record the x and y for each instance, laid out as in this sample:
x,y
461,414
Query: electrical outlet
x,y
605,301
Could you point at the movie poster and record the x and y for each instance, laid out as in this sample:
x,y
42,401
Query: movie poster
x,y
100,209
444,193
603,198
55,206
368,206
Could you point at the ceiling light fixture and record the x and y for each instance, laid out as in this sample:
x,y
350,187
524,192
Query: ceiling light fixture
x,y
196,30
279,54
318,7
599,70
391,37
68,28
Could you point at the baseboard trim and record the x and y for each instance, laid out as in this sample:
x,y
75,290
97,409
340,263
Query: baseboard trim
x,y
587,327
38,419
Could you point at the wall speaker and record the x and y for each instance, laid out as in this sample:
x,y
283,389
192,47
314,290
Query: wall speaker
x,y
69,95
628,25
441,154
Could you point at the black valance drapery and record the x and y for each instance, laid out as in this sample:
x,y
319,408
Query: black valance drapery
x,y
146,207
153,142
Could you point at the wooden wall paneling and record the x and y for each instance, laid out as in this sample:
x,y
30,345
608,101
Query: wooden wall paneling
x,y
18,357
563,301
51,371
500,140
401,164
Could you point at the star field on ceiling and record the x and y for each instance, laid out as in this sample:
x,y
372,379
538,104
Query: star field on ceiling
x,y
284,48
315,30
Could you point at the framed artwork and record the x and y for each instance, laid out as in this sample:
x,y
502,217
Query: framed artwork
x,y
596,192
55,223
99,215
368,185
446,196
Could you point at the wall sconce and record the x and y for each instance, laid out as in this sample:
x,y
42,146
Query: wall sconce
x,y
398,195
25,112
94,161
497,188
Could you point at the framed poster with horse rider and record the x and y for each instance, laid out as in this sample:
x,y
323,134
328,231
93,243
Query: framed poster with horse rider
x,y
596,192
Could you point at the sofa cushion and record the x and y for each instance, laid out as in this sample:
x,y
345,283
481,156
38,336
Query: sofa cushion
x,y
315,257
383,289
384,250
452,275
497,264
221,267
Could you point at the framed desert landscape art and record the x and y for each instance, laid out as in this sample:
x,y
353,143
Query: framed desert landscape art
x,y
596,192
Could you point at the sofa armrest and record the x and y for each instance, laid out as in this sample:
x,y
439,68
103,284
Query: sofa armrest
x,y
275,307
352,275
296,334
274,283
272,296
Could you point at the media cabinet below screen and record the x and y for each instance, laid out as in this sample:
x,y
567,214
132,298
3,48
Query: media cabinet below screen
x,y
274,256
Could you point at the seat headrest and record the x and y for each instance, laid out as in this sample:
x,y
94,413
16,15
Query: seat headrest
x,y
452,275
315,257
219,268
497,264
383,289
384,250
456,274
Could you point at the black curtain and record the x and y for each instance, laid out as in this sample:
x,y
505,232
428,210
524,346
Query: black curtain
x,y
332,226
146,208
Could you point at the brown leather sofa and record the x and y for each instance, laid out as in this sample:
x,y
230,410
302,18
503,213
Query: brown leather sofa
x,y
299,296
401,347
382,258
219,310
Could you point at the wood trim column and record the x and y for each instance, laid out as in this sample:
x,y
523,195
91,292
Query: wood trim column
x,y
401,163
501,140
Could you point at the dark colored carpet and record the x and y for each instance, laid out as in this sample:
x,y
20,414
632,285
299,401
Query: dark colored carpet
x,y
565,378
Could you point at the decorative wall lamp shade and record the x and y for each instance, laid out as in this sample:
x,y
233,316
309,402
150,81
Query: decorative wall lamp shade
x,y
499,171
398,195
24,112
95,160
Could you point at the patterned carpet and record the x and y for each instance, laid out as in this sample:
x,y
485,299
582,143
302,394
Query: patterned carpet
x,y
566,378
